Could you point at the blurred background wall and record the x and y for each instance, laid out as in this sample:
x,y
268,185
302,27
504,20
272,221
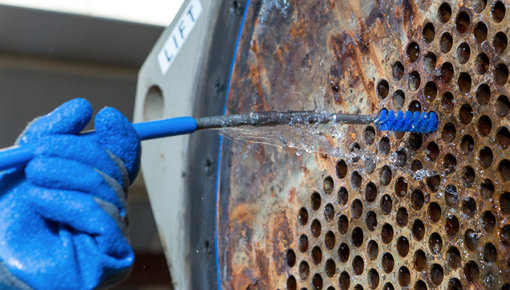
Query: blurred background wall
x,y
52,51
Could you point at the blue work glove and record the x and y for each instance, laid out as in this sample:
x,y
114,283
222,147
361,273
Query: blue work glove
x,y
63,215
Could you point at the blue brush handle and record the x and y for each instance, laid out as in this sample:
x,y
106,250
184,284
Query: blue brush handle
x,y
20,155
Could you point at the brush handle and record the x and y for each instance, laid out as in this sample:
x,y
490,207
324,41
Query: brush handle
x,y
19,155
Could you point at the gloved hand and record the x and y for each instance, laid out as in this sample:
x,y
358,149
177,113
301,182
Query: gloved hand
x,y
63,215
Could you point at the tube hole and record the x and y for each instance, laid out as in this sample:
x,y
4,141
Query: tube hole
x,y
383,89
429,62
446,72
387,233
315,228
358,265
330,268
435,243
447,102
462,22
404,276
464,83
355,180
434,182
291,283
344,280
356,209
343,196
370,192
371,220
429,32
315,201
485,158
420,260
445,42
436,274
434,212
329,212
291,258
373,278
487,189
450,195
490,254
503,137
317,282
357,237
488,221
483,94
414,81
466,114
418,230
482,63
469,207
329,240
328,185
385,175
444,12
468,176
417,199
448,135
369,135
502,106
402,217
471,271
430,92
420,285
402,246
303,243
343,224
504,170
453,257
432,151
413,51
449,163
484,125
480,32
498,11
304,270
398,70
414,106
316,255
401,187
500,42
343,252
479,6
501,74
303,216
341,169
452,225
398,99
372,250
463,53
387,262
384,146
386,204
467,144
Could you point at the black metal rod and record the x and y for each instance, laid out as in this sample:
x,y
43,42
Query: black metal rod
x,y
271,118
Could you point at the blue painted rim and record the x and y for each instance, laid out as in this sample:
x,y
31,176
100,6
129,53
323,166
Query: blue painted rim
x,y
236,48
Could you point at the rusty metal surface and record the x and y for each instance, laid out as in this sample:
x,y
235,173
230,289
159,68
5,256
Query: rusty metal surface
x,y
405,210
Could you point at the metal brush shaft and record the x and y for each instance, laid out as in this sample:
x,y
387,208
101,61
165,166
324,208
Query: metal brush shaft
x,y
271,118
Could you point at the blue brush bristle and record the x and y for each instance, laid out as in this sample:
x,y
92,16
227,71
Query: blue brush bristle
x,y
407,122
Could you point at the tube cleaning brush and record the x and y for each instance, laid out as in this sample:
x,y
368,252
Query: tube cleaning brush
x,y
384,121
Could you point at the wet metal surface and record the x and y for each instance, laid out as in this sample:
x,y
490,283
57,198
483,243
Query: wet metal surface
x,y
398,210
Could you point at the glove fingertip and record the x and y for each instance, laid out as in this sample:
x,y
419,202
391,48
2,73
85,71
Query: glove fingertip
x,y
69,118
118,135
